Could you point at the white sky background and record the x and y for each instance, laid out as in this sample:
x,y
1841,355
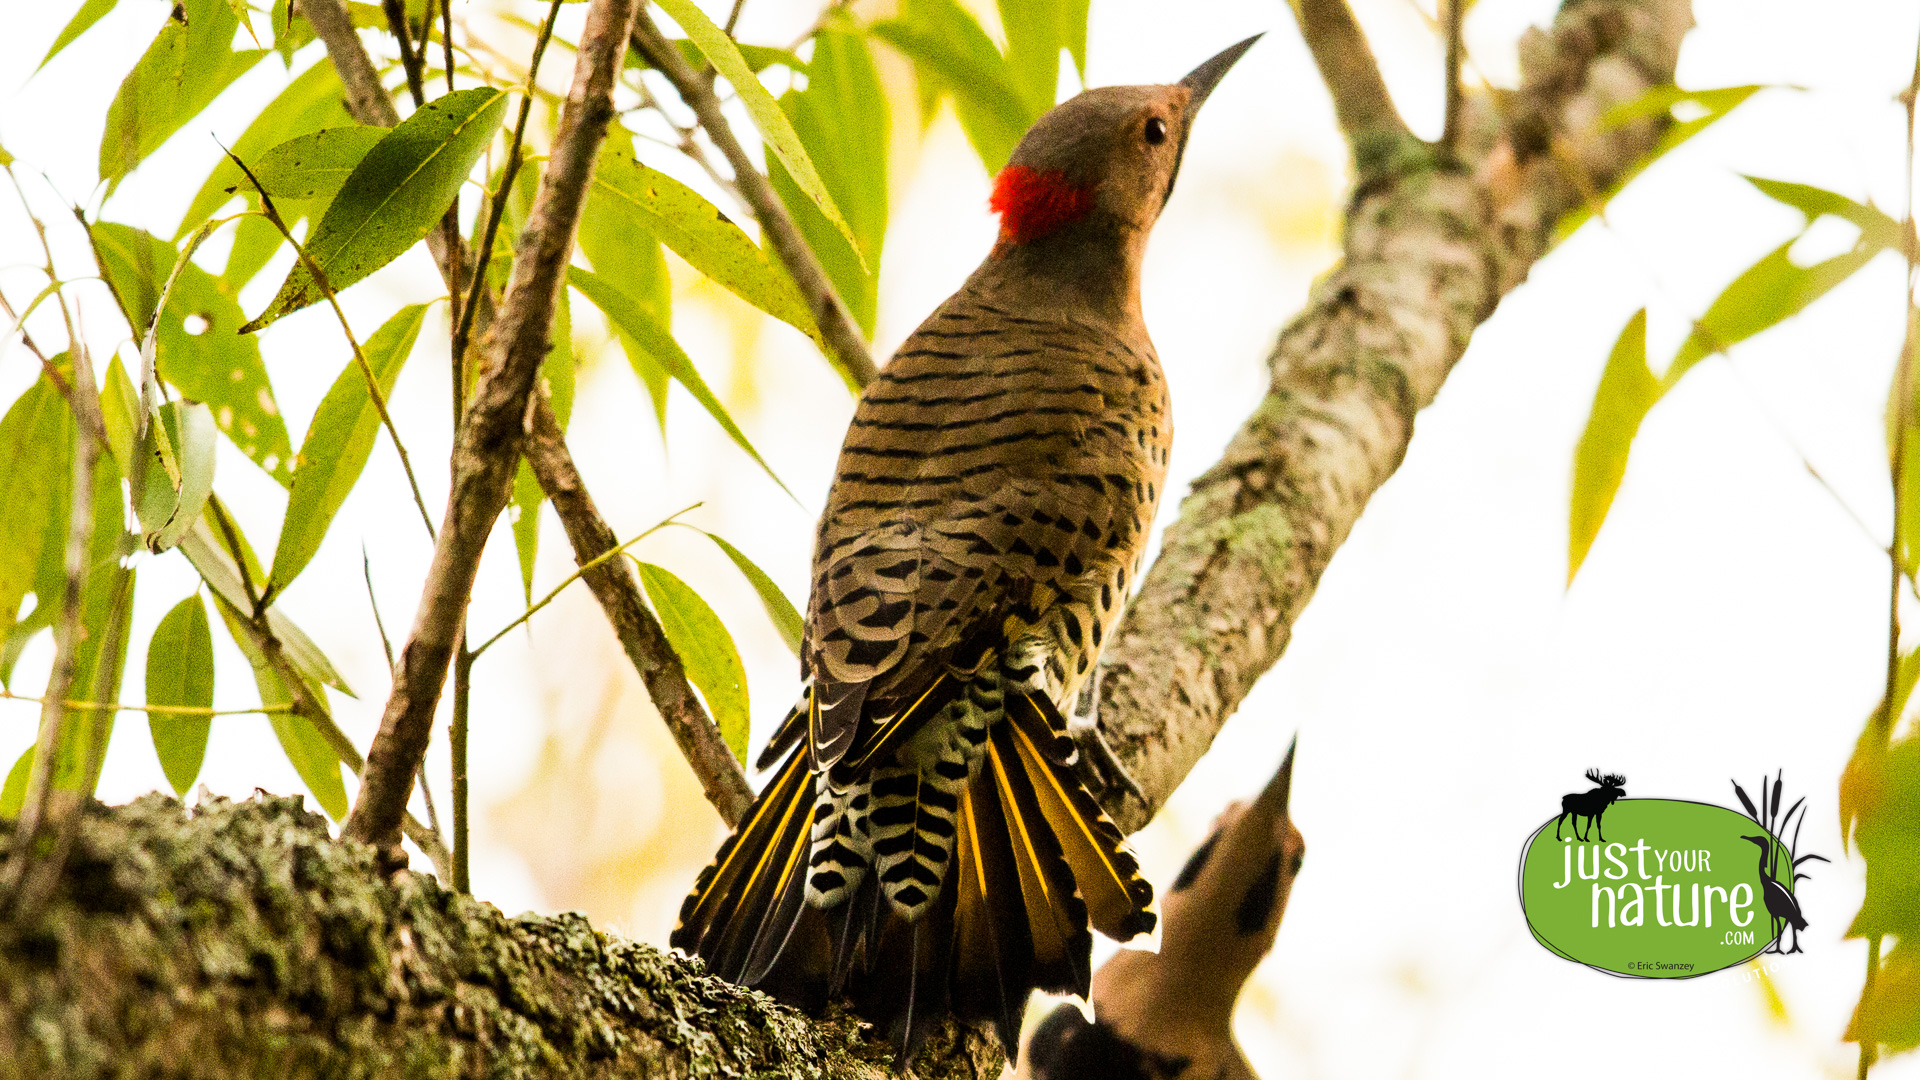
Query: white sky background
x,y
1446,685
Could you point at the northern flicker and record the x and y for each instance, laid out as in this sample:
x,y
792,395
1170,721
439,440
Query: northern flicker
x,y
925,845
1168,1015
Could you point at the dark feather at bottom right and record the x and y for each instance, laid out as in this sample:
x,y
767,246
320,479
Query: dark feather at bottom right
x,y
1168,1015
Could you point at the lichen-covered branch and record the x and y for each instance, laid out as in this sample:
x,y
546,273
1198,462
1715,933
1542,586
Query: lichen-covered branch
x,y
843,339
487,448
1432,242
633,623
238,942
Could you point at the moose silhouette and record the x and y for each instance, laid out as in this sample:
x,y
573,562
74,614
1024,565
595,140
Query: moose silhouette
x,y
1591,804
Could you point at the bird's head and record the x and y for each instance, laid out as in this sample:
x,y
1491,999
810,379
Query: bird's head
x,y
1760,841
1104,161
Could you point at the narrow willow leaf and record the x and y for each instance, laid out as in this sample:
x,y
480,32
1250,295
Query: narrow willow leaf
x,y
1712,105
179,473
706,649
209,554
317,165
774,128
1627,390
1876,227
338,443
185,68
947,43
557,370
842,118
394,196
14,795
106,607
1765,295
758,57
780,610
312,101
659,343
120,414
90,12
1036,32
180,673
35,452
198,348
306,749
698,232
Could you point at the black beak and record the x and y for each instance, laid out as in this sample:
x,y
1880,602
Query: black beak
x,y
1274,798
1203,79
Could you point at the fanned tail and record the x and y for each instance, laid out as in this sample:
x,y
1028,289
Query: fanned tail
x,y
1035,866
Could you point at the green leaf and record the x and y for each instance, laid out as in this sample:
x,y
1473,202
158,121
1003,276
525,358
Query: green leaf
x,y
947,45
1710,105
185,68
1627,390
1876,227
1889,1014
120,413
706,649
290,34
180,673
35,440
774,128
106,607
842,118
90,12
205,547
395,196
306,749
315,166
1036,32
14,795
216,365
179,474
658,343
338,443
780,610
557,369
698,232
1766,294
758,57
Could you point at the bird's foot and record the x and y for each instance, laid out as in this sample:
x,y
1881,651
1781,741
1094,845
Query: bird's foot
x,y
1098,761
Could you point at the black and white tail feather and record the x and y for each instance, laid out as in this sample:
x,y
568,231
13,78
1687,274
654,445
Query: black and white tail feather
x,y
955,878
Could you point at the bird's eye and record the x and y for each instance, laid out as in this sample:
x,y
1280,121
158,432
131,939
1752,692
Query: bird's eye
x,y
1156,131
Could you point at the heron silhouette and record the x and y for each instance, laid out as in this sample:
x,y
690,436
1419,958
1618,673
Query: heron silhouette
x,y
1780,903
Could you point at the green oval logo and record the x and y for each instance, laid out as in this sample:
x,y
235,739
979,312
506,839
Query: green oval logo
x,y
1657,888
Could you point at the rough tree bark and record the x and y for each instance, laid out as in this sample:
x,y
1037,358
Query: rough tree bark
x,y
240,941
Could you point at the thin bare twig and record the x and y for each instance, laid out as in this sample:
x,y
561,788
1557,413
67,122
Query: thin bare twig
x,y
160,710
488,445
1450,134
848,349
410,60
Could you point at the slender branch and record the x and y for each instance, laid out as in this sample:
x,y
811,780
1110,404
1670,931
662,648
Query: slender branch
x,y
161,710
412,61
457,750
367,99
1428,254
446,39
1360,99
639,632
849,350
488,444
1450,134
497,203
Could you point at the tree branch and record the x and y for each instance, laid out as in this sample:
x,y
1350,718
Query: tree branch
x,y
849,349
488,444
639,632
1431,246
1360,99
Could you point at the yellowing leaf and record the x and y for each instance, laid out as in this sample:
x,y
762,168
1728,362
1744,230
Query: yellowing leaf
x,y
180,673
306,749
1627,390
397,193
706,650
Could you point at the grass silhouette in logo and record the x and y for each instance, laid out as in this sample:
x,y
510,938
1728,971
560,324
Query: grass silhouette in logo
x,y
1782,907
1591,805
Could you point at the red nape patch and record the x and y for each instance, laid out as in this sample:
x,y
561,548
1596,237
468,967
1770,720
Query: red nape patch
x,y
1032,204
